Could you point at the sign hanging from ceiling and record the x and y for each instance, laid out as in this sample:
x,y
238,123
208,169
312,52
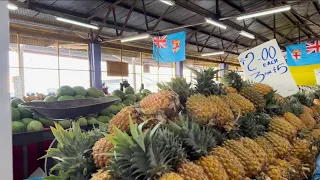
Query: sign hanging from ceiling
x,y
265,64
303,60
170,48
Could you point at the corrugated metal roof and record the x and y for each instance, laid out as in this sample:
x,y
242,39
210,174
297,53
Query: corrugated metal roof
x,y
175,16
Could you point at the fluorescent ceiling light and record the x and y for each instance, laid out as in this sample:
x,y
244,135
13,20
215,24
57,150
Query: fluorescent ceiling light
x,y
215,23
134,38
213,53
248,35
12,7
265,12
168,2
76,23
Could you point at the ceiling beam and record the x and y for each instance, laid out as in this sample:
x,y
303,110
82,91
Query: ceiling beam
x,y
296,15
240,9
206,13
295,23
79,17
155,16
316,5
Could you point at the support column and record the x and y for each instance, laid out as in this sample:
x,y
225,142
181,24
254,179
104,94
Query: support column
x,y
95,65
5,128
179,69
223,67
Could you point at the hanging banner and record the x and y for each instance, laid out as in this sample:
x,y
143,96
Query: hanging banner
x,y
303,60
317,72
265,64
170,48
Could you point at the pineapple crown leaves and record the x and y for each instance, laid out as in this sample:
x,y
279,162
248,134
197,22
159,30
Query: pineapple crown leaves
x,y
305,98
144,155
73,152
273,107
205,83
204,80
178,85
253,124
197,141
293,105
233,79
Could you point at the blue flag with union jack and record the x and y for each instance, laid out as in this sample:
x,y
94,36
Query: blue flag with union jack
x,y
170,48
304,53
303,59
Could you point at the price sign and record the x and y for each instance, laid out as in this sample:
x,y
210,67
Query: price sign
x,y
317,72
265,64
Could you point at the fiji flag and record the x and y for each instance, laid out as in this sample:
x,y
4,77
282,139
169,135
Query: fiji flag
x,y
170,48
302,60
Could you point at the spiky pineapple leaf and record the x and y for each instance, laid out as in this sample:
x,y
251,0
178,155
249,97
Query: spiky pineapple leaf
x,y
73,153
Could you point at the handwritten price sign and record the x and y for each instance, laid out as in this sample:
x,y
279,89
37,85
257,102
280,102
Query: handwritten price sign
x,y
265,64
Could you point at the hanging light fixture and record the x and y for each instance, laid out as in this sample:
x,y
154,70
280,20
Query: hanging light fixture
x,y
213,53
134,38
76,23
168,2
215,23
265,12
246,34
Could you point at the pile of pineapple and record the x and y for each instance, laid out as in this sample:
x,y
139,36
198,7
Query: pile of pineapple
x,y
231,131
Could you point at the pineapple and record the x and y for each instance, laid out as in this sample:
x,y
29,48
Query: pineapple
x,y
263,89
231,89
301,149
296,168
280,145
230,162
315,134
197,141
317,108
244,104
233,106
189,170
234,80
314,111
294,120
212,167
99,152
254,147
267,147
279,98
254,96
205,83
201,109
147,154
121,119
225,115
307,120
179,86
167,101
101,175
171,176
307,110
276,173
73,153
283,128
246,157
253,124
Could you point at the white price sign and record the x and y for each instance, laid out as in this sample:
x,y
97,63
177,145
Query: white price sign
x,y
265,64
317,72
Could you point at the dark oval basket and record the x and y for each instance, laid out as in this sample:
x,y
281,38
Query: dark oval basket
x,y
70,109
